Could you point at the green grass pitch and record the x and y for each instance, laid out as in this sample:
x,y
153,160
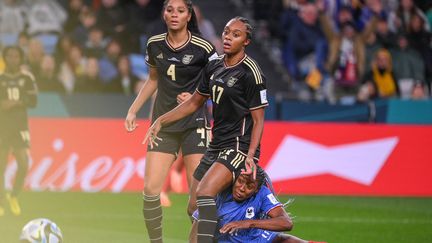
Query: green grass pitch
x,y
106,217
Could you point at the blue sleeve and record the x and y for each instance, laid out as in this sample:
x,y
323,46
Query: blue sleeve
x,y
268,199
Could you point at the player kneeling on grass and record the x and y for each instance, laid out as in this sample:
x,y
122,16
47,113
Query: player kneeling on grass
x,y
249,212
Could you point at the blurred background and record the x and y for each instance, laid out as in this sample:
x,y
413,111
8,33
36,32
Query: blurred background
x,y
348,130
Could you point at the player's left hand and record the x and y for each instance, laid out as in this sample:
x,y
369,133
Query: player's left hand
x,y
151,135
182,97
233,227
250,168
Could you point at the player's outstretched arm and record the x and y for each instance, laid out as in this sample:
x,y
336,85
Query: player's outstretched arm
x,y
146,91
181,111
278,221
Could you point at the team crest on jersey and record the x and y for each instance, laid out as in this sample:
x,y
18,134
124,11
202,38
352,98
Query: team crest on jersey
x,y
231,81
187,59
250,212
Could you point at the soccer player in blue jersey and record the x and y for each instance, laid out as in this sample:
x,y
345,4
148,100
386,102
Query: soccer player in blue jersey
x,y
249,212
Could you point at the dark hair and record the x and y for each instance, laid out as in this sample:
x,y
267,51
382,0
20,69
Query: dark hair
x,y
17,48
192,25
261,177
247,23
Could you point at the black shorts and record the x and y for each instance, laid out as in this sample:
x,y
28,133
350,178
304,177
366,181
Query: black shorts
x,y
191,141
233,159
14,139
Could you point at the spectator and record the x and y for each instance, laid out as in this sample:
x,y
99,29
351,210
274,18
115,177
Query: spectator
x,y
400,19
72,68
384,36
125,81
75,7
35,55
96,43
371,47
112,19
47,78
141,14
421,41
87,21
13,20
207,30
380,82
89,81
46,17
408,67
305,50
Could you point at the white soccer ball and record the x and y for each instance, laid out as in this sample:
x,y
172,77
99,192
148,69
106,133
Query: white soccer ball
x,y
41,231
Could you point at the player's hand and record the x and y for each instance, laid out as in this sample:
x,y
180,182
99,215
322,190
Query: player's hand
x,y
151,135
183,97
130,122
233,227
250,168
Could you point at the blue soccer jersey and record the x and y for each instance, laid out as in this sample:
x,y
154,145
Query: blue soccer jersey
x,y
253,208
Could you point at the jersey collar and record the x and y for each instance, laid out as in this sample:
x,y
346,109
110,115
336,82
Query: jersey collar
x,y
180,47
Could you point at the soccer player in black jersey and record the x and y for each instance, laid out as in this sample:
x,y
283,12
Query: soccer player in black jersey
x,y
176,59
17,93
236,86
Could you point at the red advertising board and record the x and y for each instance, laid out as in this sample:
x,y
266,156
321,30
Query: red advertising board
x,y
301,158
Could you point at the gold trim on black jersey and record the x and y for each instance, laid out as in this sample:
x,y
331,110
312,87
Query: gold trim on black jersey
x,y
202,43
180,47
258,107
156,38
255,70
238,63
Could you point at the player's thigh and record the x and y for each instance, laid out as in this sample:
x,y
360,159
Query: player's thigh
x,y
233,159
156,170
215,180
191,162
286,238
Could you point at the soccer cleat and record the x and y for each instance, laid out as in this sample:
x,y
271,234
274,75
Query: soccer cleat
x,y
13,204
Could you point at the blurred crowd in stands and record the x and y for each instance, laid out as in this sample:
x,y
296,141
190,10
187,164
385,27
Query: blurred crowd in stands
x,y
350,50
335,50
78,45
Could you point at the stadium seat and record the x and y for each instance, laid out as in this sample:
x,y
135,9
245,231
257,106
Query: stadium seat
x,y
49,42
138,66
8,39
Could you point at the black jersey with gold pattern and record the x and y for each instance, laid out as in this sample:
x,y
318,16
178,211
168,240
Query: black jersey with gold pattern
x,y
235,91
19,88
178,71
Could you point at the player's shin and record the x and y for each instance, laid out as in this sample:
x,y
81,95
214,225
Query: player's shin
x,y
207,222
152,212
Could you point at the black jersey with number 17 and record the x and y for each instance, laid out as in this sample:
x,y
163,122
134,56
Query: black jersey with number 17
x,y
179,70
235,92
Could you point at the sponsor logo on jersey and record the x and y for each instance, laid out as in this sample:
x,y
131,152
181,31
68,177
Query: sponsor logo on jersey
x,y
219,80
201,144
250,212
263,96
160,56
231,81
187,59
272,199
173,59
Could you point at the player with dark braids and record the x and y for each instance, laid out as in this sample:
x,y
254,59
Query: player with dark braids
x,y
249,212
235,84
175,60
18,92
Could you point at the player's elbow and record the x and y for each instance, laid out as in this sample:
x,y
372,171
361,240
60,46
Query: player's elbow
x,y
287,224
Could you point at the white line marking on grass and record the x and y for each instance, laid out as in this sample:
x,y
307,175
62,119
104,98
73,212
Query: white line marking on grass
x,y
362,220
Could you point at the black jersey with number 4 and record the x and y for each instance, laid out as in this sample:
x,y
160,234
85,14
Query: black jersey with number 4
x,y
235,92
21,88
179,70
